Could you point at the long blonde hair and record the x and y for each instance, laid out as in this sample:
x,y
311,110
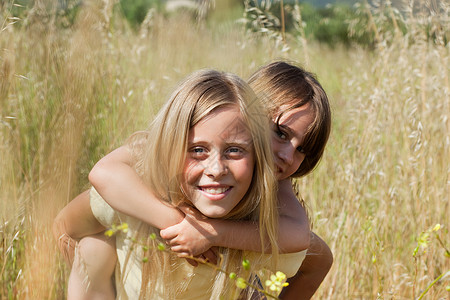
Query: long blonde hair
x,y
160,153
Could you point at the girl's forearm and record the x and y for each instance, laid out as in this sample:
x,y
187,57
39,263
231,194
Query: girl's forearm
x,y
76,218
244,235
118,183
196,233
294,231
74,222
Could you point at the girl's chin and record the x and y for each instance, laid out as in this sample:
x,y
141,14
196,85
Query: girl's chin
x,y
213,213
279,175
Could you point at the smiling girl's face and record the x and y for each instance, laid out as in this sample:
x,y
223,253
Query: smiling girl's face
x,y
288,138
220,162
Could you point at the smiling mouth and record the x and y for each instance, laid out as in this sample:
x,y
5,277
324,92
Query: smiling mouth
x,y
215,191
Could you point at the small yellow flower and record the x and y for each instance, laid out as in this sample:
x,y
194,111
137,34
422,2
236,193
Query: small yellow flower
x,y
123,227
423,239
271,285
436,227
276,282
109,232
280,276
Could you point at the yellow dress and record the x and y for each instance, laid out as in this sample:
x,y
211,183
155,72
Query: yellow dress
x,y
196,281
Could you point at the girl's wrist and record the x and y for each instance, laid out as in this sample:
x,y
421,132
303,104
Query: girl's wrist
x,y
217,232
173,217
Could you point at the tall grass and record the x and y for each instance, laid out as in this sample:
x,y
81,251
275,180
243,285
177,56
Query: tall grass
x,y
68,96
385,177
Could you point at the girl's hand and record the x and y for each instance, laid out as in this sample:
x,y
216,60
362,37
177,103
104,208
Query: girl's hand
x,y
193,236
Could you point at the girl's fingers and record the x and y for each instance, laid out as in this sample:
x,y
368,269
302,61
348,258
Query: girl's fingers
x,y
181,251
183,254
168,233
171,242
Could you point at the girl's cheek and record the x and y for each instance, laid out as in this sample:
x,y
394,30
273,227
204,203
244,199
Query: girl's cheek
x,y
243,167
301,159
192,170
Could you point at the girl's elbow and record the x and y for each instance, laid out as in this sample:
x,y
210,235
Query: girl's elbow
x,y
322,251
327,257
97,176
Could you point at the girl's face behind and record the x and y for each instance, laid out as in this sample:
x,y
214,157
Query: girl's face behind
x,y
219,163
288,137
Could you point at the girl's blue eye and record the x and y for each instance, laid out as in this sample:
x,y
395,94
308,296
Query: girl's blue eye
x,y
198,153
234,152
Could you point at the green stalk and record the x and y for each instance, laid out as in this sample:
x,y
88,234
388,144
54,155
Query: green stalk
x,y
430,285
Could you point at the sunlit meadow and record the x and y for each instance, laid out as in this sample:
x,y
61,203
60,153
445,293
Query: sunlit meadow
x,y
70,94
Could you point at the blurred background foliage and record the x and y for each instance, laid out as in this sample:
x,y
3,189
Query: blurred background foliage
x,y
333,23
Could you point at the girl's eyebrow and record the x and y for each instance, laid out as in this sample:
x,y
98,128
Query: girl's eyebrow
x,y
240,142
287,128
291,132
229,142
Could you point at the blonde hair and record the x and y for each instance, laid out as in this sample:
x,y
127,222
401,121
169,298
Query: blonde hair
x,y
281,83
161,151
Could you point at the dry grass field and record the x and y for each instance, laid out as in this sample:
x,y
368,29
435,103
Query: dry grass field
x,y
68,95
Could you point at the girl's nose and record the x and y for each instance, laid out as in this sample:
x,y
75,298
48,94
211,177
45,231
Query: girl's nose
x,y
286,154
215,167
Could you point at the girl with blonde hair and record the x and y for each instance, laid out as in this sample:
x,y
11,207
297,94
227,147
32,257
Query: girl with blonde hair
x,y
208,148
300,112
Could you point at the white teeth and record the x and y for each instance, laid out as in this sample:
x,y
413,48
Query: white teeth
x,y
215,191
